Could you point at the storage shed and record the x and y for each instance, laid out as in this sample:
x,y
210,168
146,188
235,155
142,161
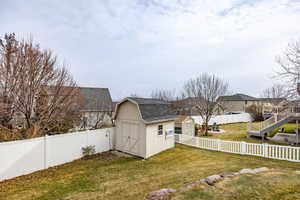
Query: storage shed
x,y
185,125
144,127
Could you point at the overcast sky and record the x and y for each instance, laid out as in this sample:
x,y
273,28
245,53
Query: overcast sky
x,y
136,46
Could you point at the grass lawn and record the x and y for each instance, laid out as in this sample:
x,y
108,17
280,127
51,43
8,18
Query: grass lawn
x,y
288,128
131,178
274,185
236,132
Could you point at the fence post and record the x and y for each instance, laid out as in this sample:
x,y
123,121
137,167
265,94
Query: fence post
x,y
45,152
218,144
197,142
243,147
265,149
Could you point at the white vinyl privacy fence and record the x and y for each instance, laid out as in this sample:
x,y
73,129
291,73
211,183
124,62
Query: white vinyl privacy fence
x,y
225,119
26,156
263,150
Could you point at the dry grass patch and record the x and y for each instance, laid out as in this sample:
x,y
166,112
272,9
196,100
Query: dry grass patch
x,y
129,178
283,184
236,132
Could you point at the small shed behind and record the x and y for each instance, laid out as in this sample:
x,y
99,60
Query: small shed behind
x,y
144,127
185,125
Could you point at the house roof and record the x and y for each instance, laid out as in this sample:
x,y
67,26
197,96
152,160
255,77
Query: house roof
x,y
96,99
273,99
189,101
153,110
114,105
237,97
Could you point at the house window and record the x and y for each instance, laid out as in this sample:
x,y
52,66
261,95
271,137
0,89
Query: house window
x,y
160,129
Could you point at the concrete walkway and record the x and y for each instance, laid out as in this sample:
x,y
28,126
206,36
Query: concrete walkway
x,y
285,138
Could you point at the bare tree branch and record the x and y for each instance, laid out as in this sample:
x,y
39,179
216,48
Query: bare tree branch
x,y
35,86
289,64
166,95
205,91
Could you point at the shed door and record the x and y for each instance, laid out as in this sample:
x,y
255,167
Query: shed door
x,y
130,137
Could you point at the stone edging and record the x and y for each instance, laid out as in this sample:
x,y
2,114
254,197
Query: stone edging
x,y
164,194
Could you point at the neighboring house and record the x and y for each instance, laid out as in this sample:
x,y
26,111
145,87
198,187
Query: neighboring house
x,y
97,107
240,102
273,104
114,106
186,106
234,103
185,125
144,127
18,119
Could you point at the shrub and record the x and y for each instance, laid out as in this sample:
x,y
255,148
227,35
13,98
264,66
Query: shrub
x,y
88,151
256,112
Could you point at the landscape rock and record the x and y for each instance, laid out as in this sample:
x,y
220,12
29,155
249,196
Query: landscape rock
x,y
192,185
297,172
261,169
247,171
162,194
211,180
227,175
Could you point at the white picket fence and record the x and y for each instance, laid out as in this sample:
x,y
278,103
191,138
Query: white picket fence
x,y
263,150
26,156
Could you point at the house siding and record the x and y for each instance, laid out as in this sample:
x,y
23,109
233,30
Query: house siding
x,y
103,118
236,106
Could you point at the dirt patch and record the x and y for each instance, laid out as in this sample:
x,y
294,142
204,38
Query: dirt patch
x,y
105,156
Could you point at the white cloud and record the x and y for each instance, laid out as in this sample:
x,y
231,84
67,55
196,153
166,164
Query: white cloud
x,y
136,46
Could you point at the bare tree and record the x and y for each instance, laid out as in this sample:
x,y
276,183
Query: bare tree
x,y
8,76
275,91
205,91
135,95
166,95
98,116
290,67
34,85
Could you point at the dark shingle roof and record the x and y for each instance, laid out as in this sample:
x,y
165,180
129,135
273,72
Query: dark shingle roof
x,y
154,109
237,97
96,99
273,99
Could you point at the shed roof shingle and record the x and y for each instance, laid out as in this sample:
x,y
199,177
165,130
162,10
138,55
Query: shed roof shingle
x,y
154,109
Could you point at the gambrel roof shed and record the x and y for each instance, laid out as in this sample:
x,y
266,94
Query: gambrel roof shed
x,y
144,127
152,110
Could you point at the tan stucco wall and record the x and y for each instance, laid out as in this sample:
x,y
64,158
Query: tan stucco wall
x,y
236,106
157,143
